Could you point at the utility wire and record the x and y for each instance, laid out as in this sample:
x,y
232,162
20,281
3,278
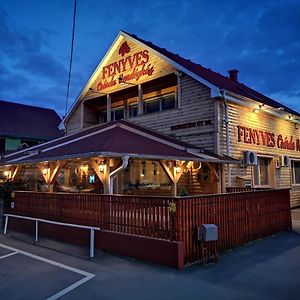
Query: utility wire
x,y
71,58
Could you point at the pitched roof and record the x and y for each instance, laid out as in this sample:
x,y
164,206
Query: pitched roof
x,y
215,78
114,139
31,122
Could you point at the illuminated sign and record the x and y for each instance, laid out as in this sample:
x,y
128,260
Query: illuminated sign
x,y
130,67
253,136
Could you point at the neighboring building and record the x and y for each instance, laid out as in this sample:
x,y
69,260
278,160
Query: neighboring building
x,y
23,126
161,91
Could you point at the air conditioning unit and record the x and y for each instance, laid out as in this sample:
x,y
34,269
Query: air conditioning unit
x,y
284,161
250,158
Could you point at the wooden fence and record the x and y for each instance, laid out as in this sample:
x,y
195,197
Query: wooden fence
x,y
240,217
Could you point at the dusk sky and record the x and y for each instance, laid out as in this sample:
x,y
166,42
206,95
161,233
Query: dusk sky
x,y
259,38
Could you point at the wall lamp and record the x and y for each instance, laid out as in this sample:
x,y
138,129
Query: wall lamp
x,y
259,108
96,92
121,80
102,166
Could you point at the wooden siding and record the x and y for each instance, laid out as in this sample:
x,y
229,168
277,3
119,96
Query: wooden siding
x,y
161,68
196,105
74,122
245,116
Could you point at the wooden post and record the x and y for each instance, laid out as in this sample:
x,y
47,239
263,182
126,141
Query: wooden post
x,y
103,176
108,108
178,90
174,176
13,171
82,114
140,109
50,173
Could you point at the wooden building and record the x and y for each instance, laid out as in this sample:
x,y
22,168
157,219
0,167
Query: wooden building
x,y
148,85
159,90
149,124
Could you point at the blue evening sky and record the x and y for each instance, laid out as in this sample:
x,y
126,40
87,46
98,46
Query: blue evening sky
x,y
259,38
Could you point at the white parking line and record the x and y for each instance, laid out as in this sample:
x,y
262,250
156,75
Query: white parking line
x,y
87,275
8,255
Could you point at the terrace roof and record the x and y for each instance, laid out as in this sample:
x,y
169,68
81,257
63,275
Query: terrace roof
x,y
115,139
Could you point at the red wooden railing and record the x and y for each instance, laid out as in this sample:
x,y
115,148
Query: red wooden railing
x,y
240,217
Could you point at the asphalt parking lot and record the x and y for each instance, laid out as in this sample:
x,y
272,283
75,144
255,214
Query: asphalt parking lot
x,y
265,269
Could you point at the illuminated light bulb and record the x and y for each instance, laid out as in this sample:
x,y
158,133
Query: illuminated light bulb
x,y
101,167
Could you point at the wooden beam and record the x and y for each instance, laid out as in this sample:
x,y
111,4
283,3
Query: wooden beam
x,y
140,110
167,170
15,172
182,167
214,172
95,163
52,171
41,167
108,108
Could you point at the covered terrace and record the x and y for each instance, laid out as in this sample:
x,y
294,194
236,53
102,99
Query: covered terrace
x,y
116,158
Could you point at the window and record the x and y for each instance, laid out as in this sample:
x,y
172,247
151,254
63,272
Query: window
x,y
296,171
160,103
117,113
133,110
152,105
168,102
262,172
103,117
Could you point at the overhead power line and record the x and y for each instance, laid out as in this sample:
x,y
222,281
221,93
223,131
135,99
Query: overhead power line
x,y
71,57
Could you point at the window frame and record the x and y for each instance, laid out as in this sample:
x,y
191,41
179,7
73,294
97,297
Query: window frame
x,y
293,171
270,172
160,98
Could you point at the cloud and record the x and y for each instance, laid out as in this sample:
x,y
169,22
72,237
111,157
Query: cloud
x,y
28,68
42,64
262,40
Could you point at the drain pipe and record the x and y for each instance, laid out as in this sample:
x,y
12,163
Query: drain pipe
x,y
223,95
114,173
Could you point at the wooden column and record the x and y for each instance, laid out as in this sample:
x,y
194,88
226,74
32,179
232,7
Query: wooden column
x,y
108,108
12,172
140,109
173,173
82,114
102,175
50,172
178,90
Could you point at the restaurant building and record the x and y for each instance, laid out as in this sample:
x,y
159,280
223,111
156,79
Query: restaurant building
x,y
249,139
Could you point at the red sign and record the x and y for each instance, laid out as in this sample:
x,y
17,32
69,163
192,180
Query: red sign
x,y
249,135
130,67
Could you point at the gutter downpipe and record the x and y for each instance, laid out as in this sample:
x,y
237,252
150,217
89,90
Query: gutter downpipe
x,y
111,176
114,173
223,95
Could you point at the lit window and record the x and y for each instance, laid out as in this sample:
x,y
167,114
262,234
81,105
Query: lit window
x,y
296,171
262,174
